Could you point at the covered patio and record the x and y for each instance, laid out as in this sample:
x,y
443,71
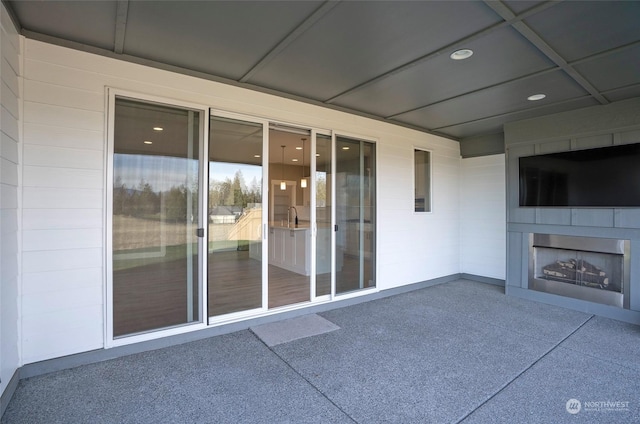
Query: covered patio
x,y
455,352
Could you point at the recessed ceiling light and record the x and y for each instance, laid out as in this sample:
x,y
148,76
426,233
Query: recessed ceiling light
x,y
294,160
298,148
256,156
158,128
535,97
317,154
345,148
461,54
148,142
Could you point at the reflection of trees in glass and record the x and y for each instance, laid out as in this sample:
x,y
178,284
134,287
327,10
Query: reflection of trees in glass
x,y
234,192
143,202
321,190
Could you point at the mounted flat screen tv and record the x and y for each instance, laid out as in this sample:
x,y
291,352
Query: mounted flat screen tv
x,y
603,177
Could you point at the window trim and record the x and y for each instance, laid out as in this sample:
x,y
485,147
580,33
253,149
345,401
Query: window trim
x,y
430,182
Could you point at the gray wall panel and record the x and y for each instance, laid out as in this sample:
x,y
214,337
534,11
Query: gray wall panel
x,y
592,127
593,142
553,147
514,264
553,216
628,137
626,218
592,217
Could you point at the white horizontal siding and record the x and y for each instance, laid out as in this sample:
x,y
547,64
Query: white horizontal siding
x,y
62,157
483,217
63,216
61,280
54,219
61,260
64,186
10,168
33,240
62,177
62,198
48,135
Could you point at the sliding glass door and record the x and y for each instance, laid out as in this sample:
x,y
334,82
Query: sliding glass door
x,y
355,215
324,200
155,204
235,219
262,216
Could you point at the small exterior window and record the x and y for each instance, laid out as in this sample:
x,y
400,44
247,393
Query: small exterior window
x,y
422,175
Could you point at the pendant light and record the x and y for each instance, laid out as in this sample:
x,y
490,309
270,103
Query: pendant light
x,y
283,184
303,181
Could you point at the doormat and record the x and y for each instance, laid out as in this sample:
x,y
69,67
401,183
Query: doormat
x,y
279,332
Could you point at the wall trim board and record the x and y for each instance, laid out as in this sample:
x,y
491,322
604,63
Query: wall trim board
x,y
6,396
612,312
566,230
99,355
480,279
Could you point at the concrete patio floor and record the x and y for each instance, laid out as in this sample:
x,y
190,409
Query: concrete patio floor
x,y
459,352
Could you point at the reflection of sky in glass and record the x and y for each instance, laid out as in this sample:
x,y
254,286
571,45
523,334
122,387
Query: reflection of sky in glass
x,y
220,171
161,172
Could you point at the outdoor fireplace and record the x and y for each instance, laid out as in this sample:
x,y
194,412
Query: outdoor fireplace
x,y
587,268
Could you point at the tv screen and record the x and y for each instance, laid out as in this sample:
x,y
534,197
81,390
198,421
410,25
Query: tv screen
x,y
603,177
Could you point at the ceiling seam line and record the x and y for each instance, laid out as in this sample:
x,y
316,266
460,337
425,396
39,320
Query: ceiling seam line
x,y
604,54
419,60
291,37
624,87
538,42
489,87
500,115
122,11
527,32
441,50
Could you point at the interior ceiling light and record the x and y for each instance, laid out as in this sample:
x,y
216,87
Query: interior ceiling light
x,y
256,156
294,160
535,97
148,142
345,148
158,128
298,148
461,54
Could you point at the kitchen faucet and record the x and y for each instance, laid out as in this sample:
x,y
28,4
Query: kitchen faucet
x,y
288,216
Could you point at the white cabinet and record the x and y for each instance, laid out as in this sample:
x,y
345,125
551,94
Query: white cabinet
x,y
290,248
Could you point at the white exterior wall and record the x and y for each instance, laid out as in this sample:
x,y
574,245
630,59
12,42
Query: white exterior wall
x,y
483,216
64,187
9,198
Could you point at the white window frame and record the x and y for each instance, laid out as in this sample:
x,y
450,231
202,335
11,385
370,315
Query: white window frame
x,y
110,96
415,176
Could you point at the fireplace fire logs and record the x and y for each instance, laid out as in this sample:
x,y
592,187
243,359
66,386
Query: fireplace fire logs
x,y
578,272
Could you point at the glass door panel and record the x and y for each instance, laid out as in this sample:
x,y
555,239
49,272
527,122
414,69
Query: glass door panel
x,y
323,215
289,217
155,217
355,214
235,216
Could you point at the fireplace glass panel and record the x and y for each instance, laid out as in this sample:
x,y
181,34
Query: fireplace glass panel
x,y
601,271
